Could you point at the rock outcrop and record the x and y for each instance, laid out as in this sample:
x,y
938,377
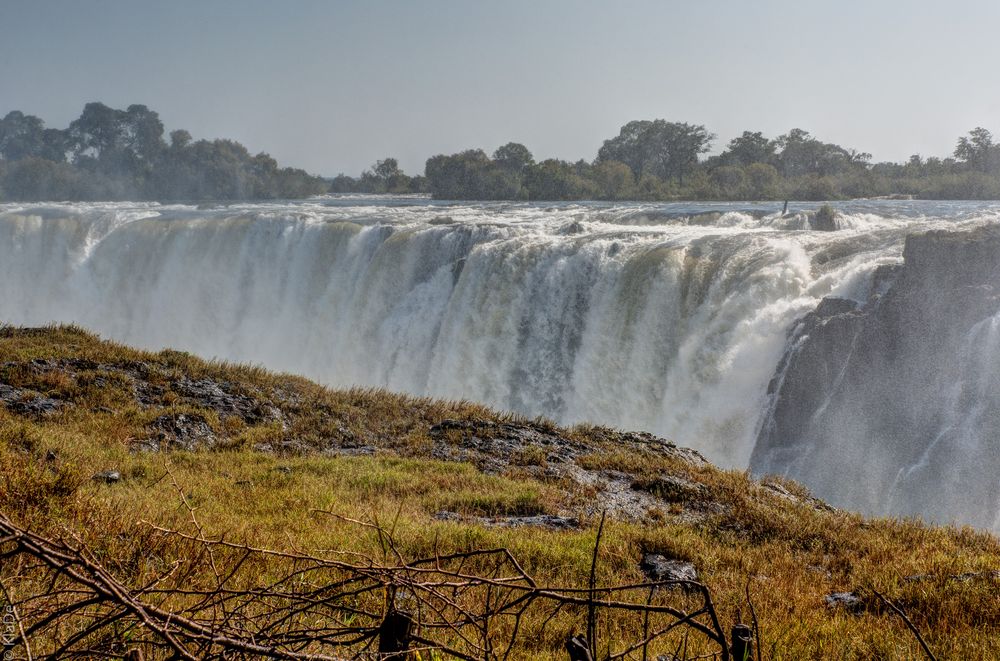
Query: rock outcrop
x,y
893,406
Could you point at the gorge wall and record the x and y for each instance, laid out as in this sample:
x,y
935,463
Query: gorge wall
x,y
893,406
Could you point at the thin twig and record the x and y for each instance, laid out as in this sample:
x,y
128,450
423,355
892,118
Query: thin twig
x,y
592,585
753,619
909,624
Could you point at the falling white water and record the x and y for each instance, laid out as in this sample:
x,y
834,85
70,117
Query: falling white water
x,y
954,477
667,318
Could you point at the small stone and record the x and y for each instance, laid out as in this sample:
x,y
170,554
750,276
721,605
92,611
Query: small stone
x,y
108,477
849,601
659,567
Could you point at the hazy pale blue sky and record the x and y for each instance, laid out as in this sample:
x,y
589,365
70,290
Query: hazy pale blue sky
x,y
333,86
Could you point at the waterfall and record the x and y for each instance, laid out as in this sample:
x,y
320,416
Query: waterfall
x,y
670,319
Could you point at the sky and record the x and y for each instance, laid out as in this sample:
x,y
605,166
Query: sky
x,y
334,86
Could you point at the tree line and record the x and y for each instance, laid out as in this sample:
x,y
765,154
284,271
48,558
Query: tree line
x,y
111,154
661,160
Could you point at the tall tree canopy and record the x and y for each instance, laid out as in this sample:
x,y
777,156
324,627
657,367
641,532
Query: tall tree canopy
x,y
668,150
108,153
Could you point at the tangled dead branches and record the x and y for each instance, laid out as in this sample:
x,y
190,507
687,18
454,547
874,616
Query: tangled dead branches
x,y
474,605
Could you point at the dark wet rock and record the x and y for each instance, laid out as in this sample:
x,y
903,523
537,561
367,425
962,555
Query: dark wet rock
x,y
10,394
107,477
849,601
824,220
658,567
148,394
672,489
28,402
706,219
218,396
151,384
876,407
178,431
831,306
37,406
883,279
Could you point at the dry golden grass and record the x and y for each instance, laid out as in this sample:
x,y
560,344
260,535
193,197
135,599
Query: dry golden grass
x,y
790,551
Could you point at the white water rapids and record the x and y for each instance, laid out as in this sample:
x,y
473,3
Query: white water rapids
x,y
666,318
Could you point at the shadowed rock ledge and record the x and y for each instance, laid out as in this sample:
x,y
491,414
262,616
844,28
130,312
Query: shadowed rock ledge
x,y
893,406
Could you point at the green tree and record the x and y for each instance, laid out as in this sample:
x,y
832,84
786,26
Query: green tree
x,y
668,150
21,136
614,180
553,179
513,157
179,139
386,169
750,147
730,180
459,176
802,154
975,149
97,133
142,133
343,183
762,181
628,147
384,177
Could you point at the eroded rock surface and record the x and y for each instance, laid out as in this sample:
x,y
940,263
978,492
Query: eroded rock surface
x,y
892,406
27,402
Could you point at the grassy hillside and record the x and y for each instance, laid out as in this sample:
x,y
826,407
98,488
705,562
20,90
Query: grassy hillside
x,y
107,445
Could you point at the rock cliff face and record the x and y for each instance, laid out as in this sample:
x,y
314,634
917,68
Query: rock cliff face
x,y
893,407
